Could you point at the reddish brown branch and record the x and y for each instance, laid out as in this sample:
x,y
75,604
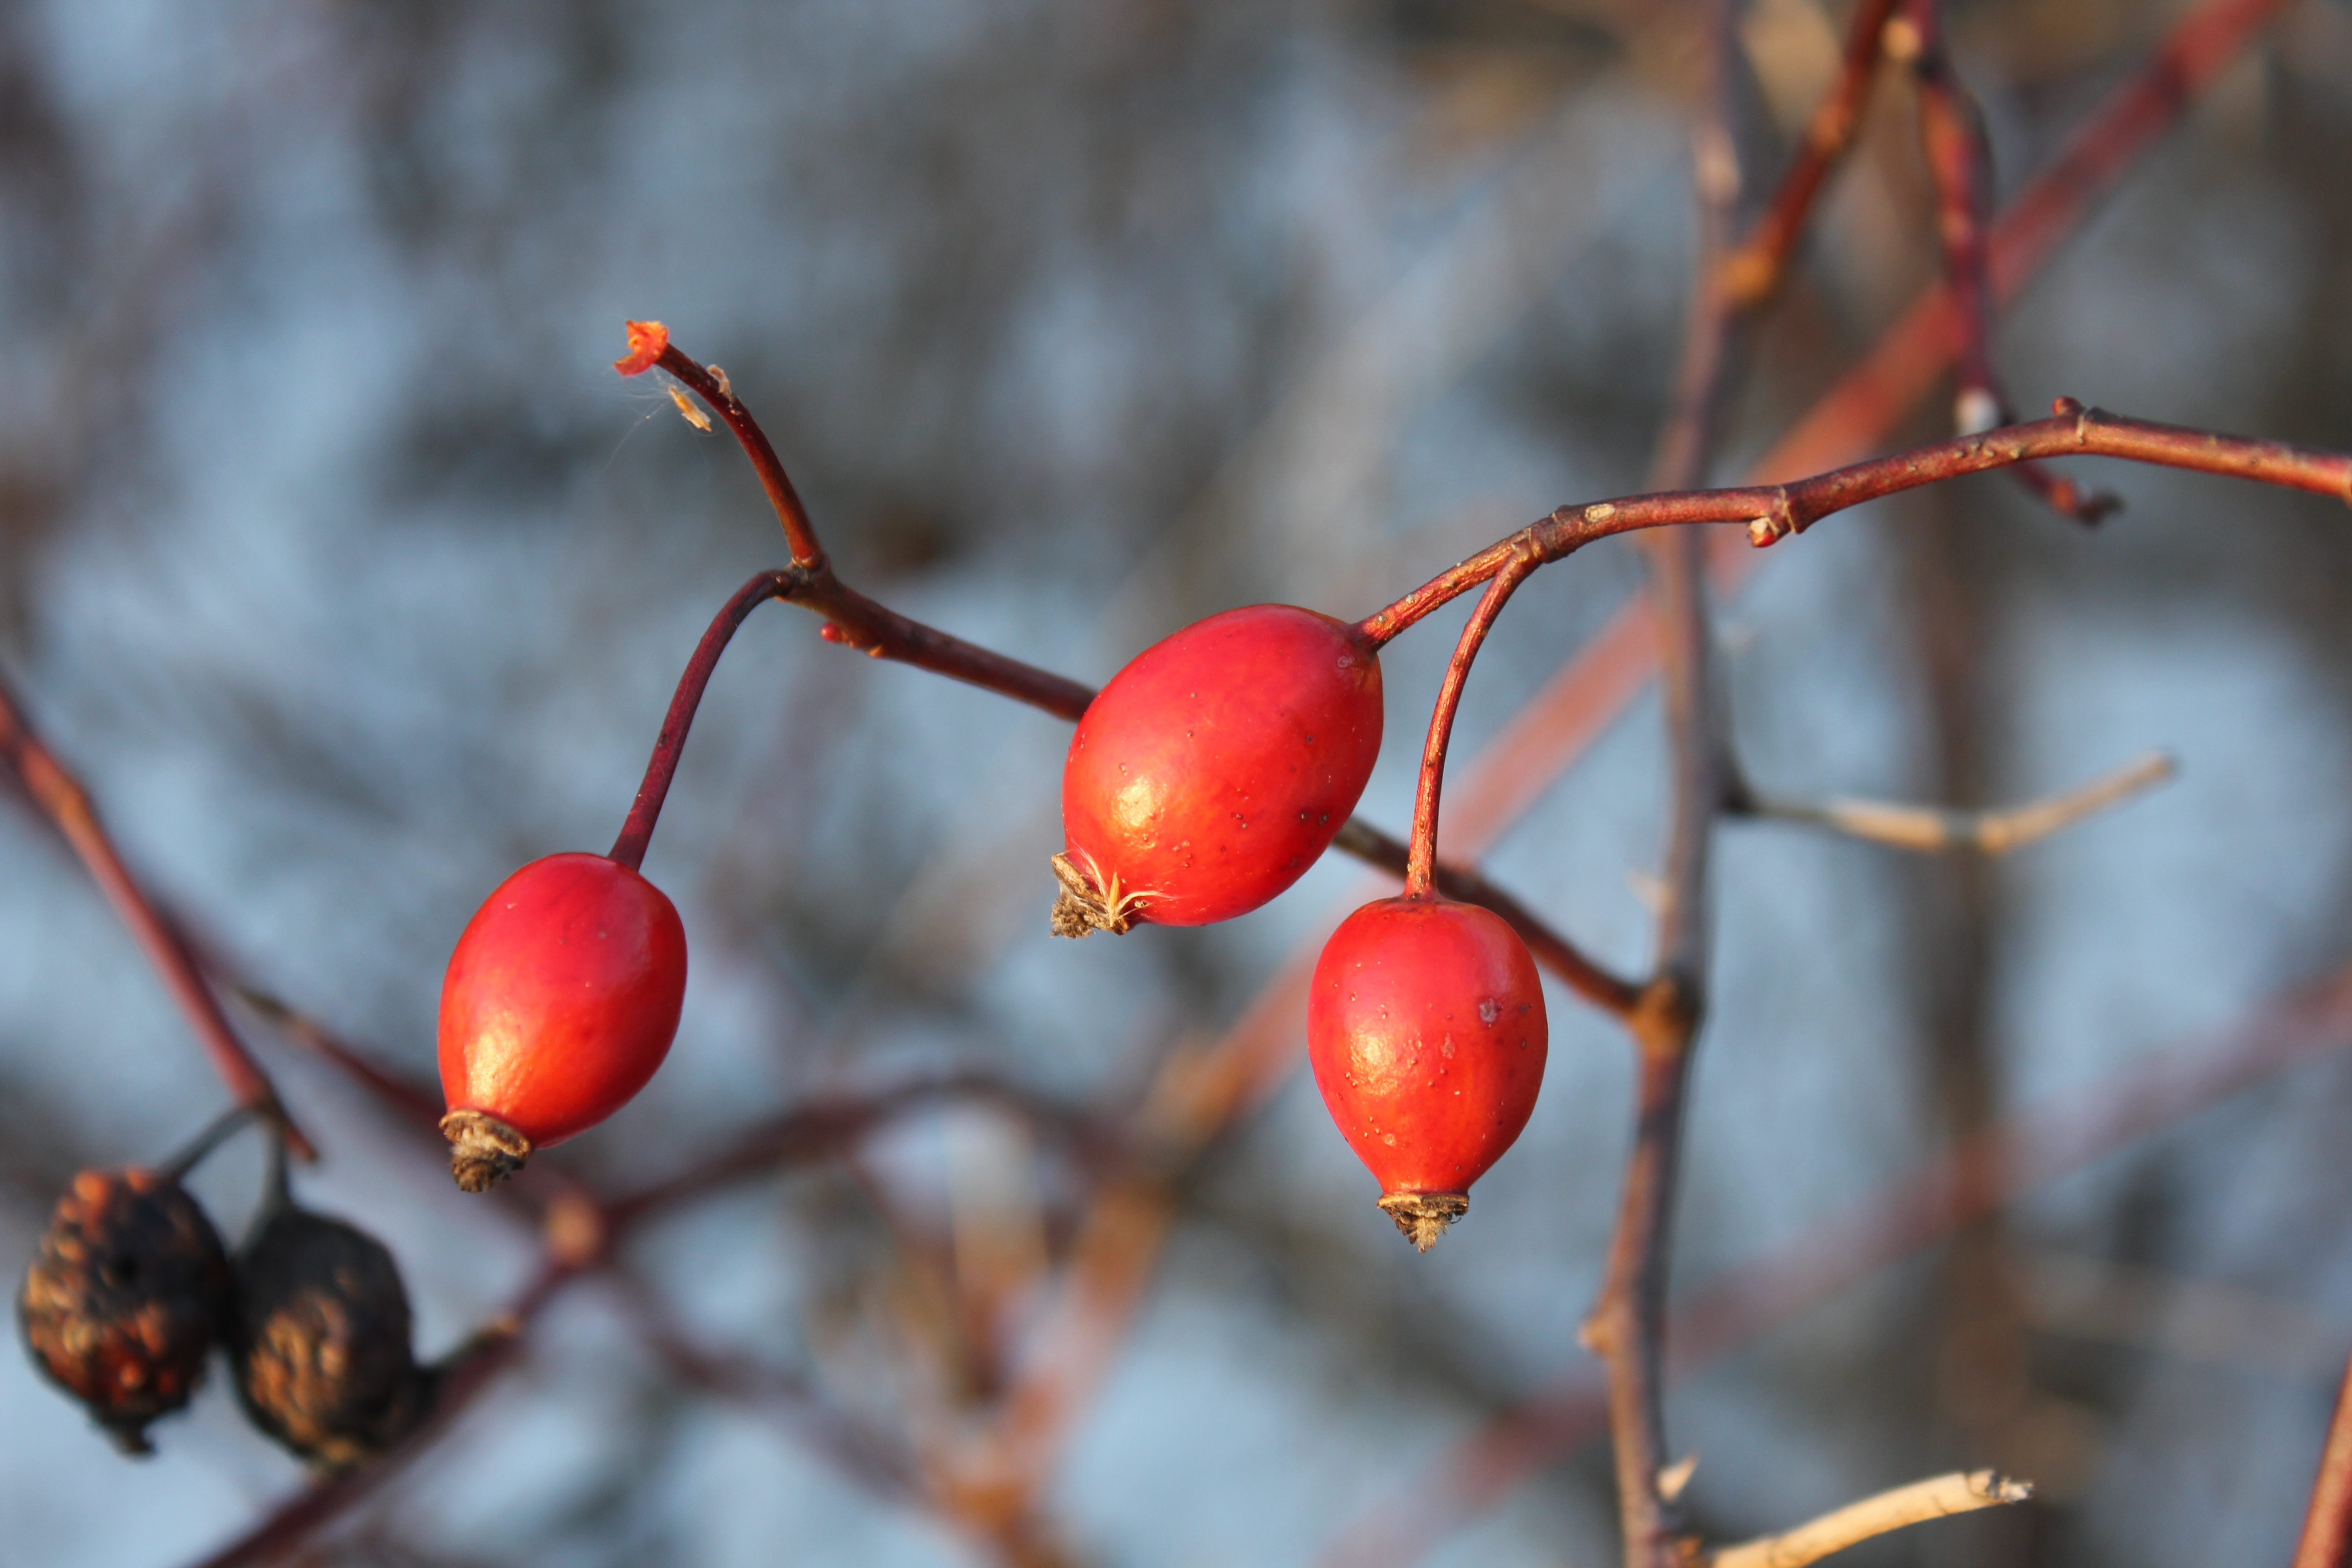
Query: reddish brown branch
x,y
1627,1327
818,1130
753,1384
650,345
644,811
2326,1541
1774,511
854,620
417,1104
1420,858
60,798
1605,989
1960,163
1753,271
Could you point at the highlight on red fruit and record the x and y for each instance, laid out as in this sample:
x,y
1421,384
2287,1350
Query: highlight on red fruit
x,y
1214,770
560,1002
1427,1034
648,341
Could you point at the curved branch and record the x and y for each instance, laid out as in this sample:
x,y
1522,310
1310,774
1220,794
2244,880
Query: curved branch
x,y
638,830
60,798
1773,513
1420,859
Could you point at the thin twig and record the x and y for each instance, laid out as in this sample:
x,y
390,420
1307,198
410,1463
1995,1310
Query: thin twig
x,y
1773,512
1754,270
1604,988
644,811
1627,1326
1960,161
1930,831
753,1384
414,1102
1938,1498
1421,858
2326,1541
854,619
61,798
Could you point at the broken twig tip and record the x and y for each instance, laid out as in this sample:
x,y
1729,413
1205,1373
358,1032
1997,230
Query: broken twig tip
x,y
648,341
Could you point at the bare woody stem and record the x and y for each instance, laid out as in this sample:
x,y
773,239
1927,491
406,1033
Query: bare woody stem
x,y
2326,1541
1420,859
1773,512
800,534
1752,271
1604,988
1938,1498
1628,1328
1960,161
60,797
637,831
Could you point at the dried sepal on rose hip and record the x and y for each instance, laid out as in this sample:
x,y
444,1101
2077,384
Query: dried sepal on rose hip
x,y
318,1342
560,1000
1215,769
1427,1034
126,1297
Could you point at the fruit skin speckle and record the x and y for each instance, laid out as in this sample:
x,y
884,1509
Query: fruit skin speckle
x,y
1426,1030
1216,767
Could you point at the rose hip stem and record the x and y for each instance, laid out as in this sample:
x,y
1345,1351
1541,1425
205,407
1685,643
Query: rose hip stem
x,y
1421,858
60,797
629,848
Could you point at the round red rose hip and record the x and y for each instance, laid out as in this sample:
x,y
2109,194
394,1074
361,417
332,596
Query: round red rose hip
x,y
1426,1029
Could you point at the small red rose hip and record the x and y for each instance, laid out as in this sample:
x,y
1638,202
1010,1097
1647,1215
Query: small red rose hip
x,y
1427,1034
559,1004
1214,770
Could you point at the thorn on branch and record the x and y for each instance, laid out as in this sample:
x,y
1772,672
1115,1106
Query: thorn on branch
x,y
1930,831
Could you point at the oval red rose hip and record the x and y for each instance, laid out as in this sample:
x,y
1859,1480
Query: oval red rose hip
x,y
1426,1029
1215,768
560,1000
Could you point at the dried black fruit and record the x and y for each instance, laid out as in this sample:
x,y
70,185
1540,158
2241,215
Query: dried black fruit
x,y
124,1301
319,1340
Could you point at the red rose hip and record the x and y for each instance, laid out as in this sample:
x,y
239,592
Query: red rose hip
x,y
1214,770
560,1002
1427,1034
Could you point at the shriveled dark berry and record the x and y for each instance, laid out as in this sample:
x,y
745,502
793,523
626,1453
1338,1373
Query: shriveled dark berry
x,y
319,1340
126,1297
